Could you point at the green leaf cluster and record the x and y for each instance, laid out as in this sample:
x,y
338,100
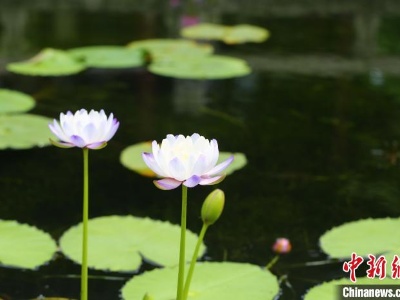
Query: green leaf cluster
x,y
176,58
119,243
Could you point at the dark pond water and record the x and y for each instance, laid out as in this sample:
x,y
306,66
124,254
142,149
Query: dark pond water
x,y
318,119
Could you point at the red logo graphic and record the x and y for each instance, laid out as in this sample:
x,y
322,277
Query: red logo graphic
x,y
377,266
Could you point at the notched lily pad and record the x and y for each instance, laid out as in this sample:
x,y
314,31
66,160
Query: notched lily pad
x,y
131,158
369,236
117,243
166,48
24,131
207,67
49,62
222,281
15,102
109,56
237,34
24,246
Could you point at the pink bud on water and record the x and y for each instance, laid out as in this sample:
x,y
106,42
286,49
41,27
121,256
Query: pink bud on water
x,y
281,246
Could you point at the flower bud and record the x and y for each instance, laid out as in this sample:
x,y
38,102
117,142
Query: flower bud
x,y
281,246
212,207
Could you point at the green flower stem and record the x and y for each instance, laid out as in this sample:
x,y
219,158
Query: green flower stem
x,y
182,248
272,262
84,270
194,259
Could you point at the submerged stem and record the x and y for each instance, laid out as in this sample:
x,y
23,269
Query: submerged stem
x,y
181,272
193,262
84,270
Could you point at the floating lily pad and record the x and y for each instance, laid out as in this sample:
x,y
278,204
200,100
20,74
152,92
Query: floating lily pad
x,y
329,290
222,281
24,246
369,236
165,48
206,67
246,33
24,131
131,158
109,56
49,62
237,34
15,102
117,243
205,31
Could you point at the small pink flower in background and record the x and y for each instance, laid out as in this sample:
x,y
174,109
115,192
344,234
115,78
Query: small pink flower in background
x,y
281,246
84,130
184,160
188,20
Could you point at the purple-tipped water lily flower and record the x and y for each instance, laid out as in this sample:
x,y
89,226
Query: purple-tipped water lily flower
x,y
189,160
84,130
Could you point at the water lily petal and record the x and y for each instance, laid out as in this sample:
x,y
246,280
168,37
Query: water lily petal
x,y
89,132
211,180
112,130
177,169
167,183
218,168
97,146
151,163
200,165
78,141
61,144
192,181
57,130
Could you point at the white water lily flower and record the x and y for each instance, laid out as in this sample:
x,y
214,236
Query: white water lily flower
x,y
184,160
84,130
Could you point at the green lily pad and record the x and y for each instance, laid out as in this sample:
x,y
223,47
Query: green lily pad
x,y
165,48
369,236
24,131
222,281
24,246
109,56
131,158
117,243
205,31
49,62
329,290
15,102
206,67
245,33
237,34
